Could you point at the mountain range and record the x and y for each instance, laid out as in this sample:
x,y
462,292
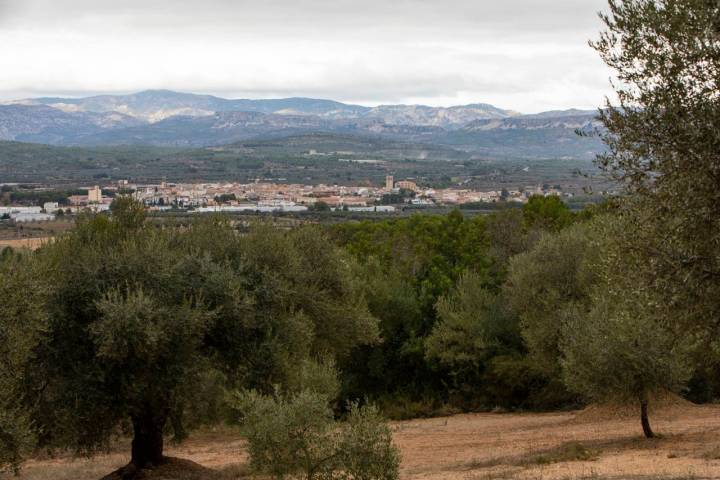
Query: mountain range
x,y
166,118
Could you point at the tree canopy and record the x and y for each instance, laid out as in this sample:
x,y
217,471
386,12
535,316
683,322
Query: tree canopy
x,y
664,147
140,327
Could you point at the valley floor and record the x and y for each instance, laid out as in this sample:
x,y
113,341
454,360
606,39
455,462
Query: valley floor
x,y
597,443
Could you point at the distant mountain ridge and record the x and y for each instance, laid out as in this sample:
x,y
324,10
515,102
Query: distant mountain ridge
x,y
39,123
571,120
166,118
156,105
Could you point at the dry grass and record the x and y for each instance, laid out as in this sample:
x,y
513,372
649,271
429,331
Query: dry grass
x,y
19,243
558,446
552,446
30,230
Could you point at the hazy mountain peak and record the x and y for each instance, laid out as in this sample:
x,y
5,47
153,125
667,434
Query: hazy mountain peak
x,y
159,104
165,117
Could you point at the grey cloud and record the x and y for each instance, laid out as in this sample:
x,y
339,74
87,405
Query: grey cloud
x,y
506,20
5,11
513,16
381,51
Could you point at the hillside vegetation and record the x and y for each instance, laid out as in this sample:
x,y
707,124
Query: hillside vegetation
x,y
286,160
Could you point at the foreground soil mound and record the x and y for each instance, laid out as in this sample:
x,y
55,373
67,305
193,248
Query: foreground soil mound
x,y
667,406
171,469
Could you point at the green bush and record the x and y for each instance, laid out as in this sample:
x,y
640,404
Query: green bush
x,y
293,434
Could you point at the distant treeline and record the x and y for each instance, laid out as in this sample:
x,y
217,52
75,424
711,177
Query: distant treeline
x,y
38,197
285,159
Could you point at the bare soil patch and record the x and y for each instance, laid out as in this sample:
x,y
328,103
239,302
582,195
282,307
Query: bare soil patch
x,y
29,243
550,446
666,406
171,469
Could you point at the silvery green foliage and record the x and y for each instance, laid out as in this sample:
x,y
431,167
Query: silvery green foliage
x,y
366,447
22,325
544,283
120,322
662,134
617,352
618,347
293,434
315,376
287,436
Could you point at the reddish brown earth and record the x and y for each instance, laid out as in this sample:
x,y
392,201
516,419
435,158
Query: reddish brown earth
x,y
31,243
598,443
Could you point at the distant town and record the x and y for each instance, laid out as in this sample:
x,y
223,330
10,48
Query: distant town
x,y
266,197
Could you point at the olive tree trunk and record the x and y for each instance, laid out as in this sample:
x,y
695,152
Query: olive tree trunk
x,y
644,419
147,443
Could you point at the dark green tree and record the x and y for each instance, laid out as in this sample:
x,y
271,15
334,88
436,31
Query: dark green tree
x,y
320,206
225,198
409,264
475,335
546,213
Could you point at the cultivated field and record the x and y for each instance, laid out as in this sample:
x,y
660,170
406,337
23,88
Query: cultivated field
x,y
598,443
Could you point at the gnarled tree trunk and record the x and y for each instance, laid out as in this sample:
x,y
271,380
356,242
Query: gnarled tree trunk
x,y
147,443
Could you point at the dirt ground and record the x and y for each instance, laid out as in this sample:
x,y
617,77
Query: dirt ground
x,y
19,243
598,443
32,234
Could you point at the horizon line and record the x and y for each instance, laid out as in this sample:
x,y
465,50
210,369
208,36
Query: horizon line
x,y
82,94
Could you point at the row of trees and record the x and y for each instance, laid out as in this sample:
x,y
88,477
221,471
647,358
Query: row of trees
x,y
124,327
449,319
538,308
127,327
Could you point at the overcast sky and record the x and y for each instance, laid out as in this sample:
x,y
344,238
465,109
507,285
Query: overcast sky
x,y
527,55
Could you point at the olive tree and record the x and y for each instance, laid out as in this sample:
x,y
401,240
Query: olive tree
x,y
616,352
293,433
664,148
617,346
145,326
22,327
544,283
